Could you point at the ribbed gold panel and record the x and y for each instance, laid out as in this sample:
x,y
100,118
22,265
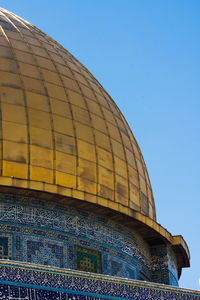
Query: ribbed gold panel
x,y
59,126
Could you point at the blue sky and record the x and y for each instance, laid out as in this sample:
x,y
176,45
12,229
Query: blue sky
x,y
146,54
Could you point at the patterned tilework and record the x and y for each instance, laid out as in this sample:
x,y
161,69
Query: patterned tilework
x,y
47,233
116,267
164,269
44,251
12,292
172,266
5,246
74,223
20,282
87,260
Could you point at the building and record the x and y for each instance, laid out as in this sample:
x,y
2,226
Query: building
x,y
77,213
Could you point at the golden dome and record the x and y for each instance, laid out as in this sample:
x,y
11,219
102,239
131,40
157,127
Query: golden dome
x,y
63,135
60,127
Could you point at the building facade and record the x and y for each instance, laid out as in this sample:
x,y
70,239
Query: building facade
x,y
77,214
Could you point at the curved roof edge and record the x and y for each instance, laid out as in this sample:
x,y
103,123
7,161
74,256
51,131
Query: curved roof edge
x,y
153,233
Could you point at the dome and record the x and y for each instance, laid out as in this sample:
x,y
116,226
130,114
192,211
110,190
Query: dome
x,y
63,136
61,128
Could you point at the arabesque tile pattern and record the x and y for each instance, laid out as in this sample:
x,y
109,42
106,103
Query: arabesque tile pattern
x,y
29,282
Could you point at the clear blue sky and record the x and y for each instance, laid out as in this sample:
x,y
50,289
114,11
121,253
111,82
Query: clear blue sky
x,y
146,54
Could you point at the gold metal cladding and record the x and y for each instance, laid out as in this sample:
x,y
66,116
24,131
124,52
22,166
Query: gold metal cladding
x,y
60,127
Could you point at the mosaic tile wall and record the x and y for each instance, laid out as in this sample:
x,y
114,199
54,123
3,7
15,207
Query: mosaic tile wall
x,y
87,260
164,268
20,281
47,233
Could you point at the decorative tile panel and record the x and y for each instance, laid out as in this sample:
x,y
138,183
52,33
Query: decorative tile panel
x,y
44,251
114,266
75,223
48,233
164,268
87,260
30,282
5,246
